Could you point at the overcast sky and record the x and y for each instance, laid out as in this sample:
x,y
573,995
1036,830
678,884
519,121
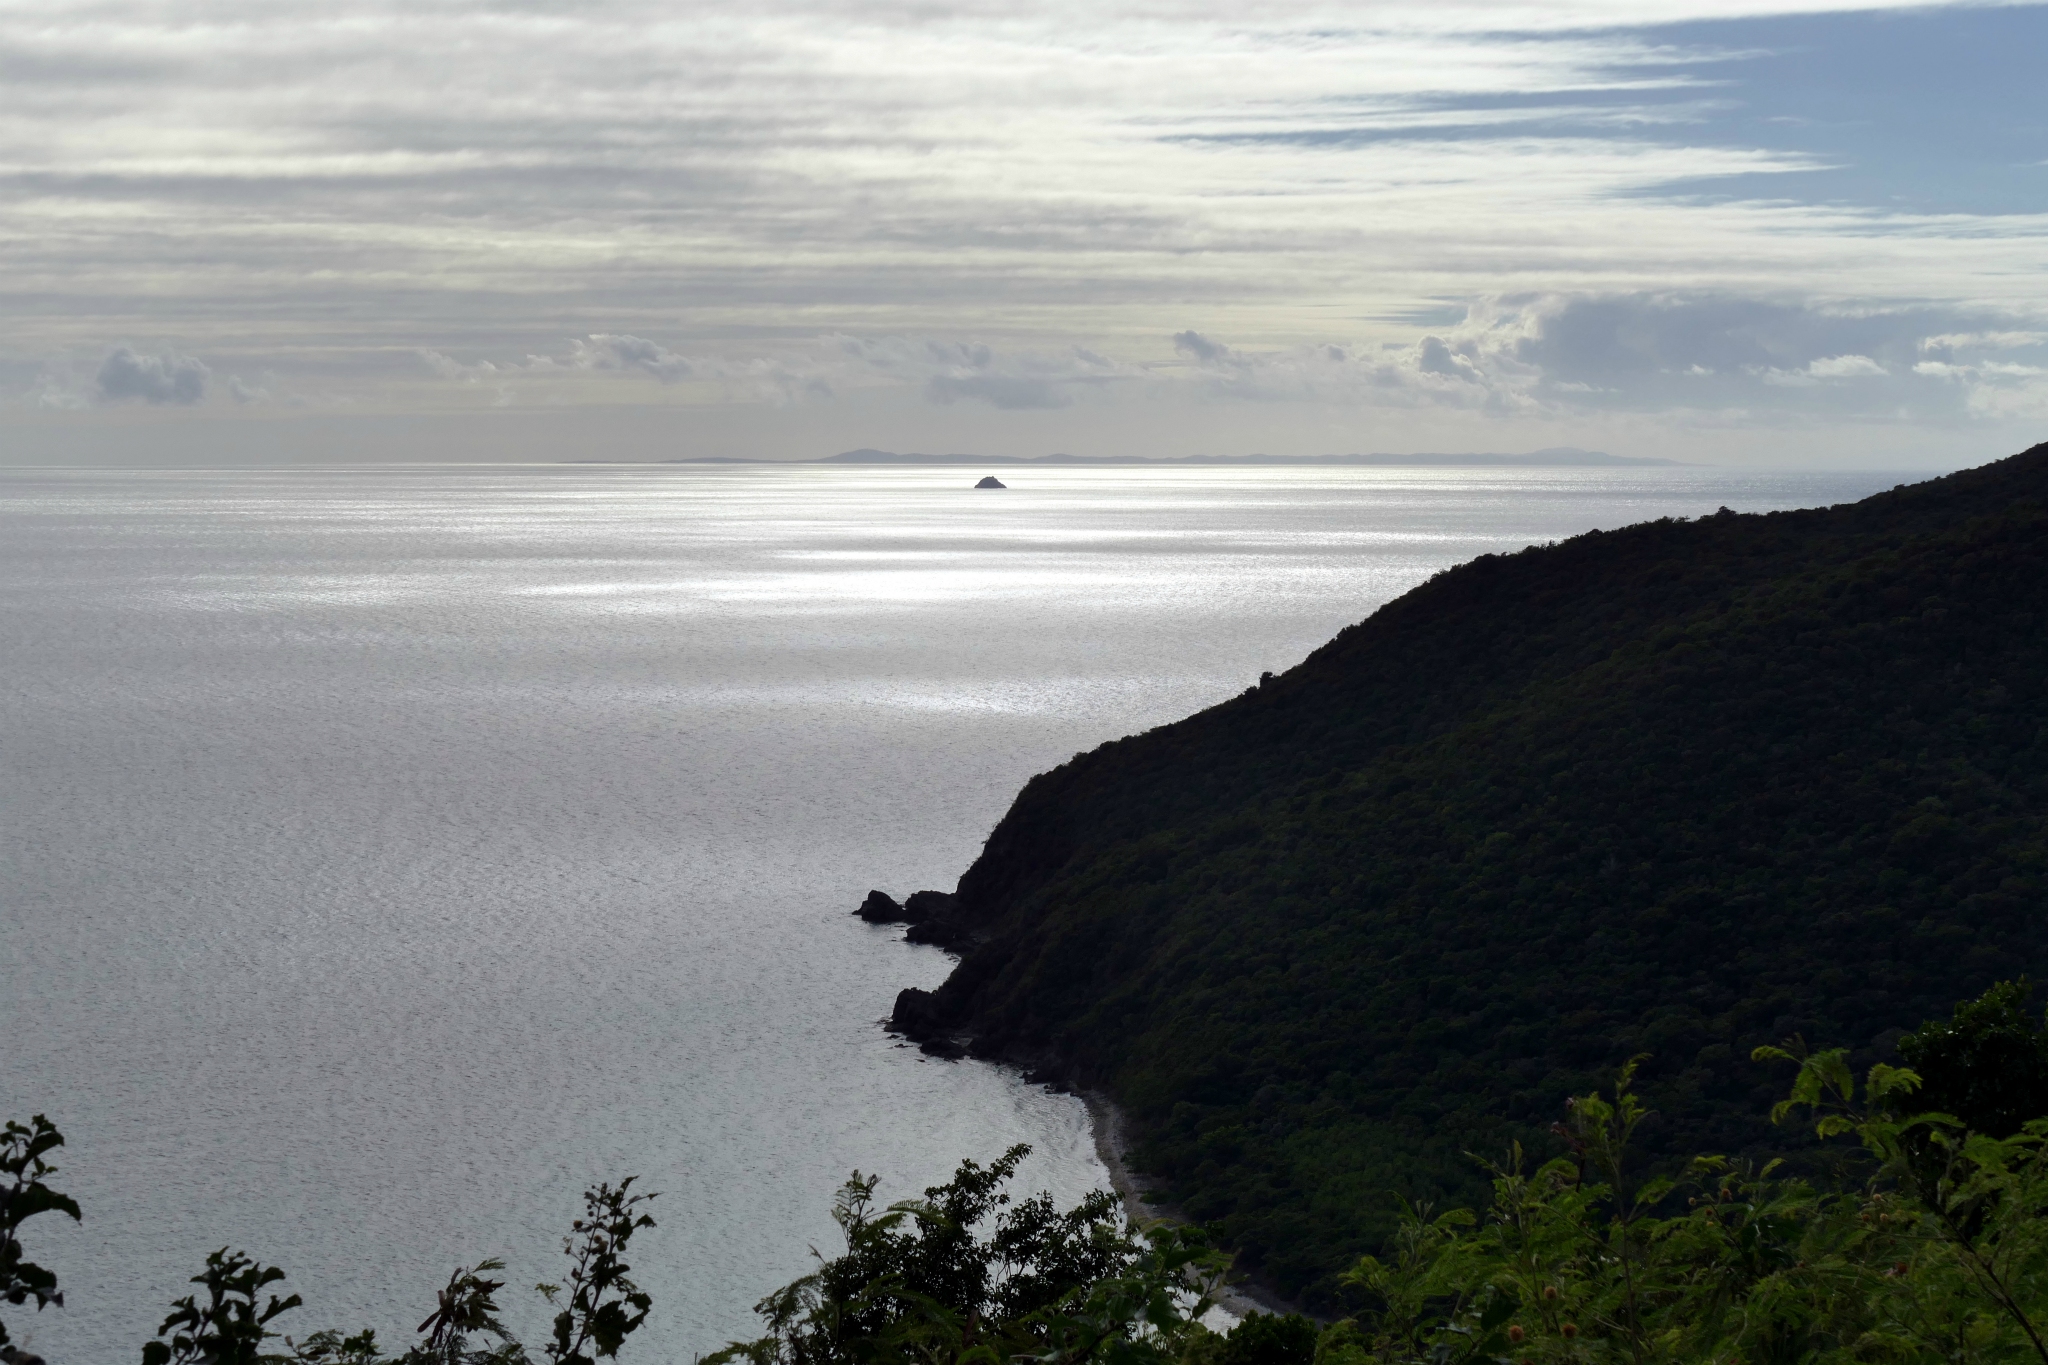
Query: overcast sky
x,y
1716,229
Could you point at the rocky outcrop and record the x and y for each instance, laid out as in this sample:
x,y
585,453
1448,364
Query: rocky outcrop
x,y
918,1018
881,908
937,933
934,919
991,482
916,1015
930,915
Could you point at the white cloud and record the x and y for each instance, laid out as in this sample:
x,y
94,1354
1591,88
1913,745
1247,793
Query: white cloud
x,y
978,209
795,165
1845,367
448,367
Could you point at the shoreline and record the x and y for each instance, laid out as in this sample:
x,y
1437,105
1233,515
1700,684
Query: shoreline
x,y
1106,1123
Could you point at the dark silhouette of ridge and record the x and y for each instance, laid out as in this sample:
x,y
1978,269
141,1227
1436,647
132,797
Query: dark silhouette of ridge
x,y
1678,789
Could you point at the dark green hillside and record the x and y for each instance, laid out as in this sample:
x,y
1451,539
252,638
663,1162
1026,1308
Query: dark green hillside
x,y
1678,789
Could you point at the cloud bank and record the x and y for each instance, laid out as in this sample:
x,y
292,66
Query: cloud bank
x,y
1490,208
1710,357
1725,360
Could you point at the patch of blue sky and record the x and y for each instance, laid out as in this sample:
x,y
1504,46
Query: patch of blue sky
x,y
1933,111
1916,112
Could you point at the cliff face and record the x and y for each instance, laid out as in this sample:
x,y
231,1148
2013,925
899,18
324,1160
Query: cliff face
x,y
1678,789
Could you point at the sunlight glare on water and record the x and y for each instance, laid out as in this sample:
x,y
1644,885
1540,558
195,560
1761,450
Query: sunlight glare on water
x,y
391,851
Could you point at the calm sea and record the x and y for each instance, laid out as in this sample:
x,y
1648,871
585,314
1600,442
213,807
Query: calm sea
x,y
385,853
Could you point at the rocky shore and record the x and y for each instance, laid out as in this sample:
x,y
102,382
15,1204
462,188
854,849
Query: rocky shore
x,y
916,1017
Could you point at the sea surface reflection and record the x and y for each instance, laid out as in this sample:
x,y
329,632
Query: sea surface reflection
x,y
390,851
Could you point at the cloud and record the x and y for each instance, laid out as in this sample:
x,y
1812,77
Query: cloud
x,y
1712,356
1433,355
618,351
448,367
1010,392
165,378
965,212
814,369
1845,367
1751,358
1608,339
598,352
669,185
955,370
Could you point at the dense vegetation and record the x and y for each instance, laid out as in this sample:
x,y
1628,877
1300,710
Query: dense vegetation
x,y
1682,789
1940,1254
1931,1246
915,1285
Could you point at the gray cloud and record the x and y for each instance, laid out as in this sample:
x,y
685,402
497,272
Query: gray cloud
x,y
165,378
448,367
1717,359
950,371
1722,357
813,369
1719,352
618,162
1433,355
1608,340
619,351
1006,391
601,352
713,198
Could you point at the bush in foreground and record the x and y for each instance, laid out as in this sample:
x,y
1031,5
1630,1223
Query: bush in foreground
x,y
1939,1252
1931,1247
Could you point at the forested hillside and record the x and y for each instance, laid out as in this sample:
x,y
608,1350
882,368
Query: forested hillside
x,y
1680,789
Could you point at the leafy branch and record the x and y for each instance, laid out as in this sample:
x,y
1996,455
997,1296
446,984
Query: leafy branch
x,y
604,1306
23,1195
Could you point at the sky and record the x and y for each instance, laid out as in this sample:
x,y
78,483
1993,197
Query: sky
x,y
1731,231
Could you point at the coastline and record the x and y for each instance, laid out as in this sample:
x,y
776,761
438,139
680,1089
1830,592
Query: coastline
x,y
914,1020
1108,1125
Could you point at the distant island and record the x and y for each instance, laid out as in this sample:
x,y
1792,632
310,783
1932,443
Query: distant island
x,y
1554,457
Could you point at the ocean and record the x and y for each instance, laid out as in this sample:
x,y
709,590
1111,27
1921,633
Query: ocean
x,y
386,853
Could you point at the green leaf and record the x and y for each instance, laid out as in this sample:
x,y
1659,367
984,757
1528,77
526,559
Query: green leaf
x,y
1886,1081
